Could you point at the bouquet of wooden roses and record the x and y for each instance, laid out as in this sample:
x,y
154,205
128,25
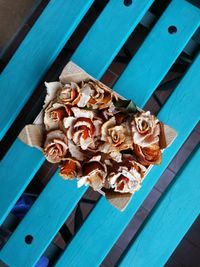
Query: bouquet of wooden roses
x,y
95,136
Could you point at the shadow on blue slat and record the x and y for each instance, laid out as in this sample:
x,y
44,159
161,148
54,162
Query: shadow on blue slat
x,y
175,213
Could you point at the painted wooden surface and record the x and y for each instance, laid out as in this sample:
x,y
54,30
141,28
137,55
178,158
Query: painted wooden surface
x,y
44,219
147,69
88,63
109,34
16,170
105,224
170,221
114,46
36,54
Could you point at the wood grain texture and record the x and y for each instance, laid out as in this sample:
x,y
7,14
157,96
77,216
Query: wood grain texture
x,y
105,223
170,221
36,54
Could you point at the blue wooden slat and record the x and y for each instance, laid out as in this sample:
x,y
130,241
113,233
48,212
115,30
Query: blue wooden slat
x,y
137,11
146,70
105,224
170,221
46,219
36,54
124,19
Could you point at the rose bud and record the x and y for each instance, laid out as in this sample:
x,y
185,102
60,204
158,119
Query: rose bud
x,y
55,147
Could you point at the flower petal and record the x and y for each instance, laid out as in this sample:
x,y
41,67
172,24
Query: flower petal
x,y
85,93
82,113
76,152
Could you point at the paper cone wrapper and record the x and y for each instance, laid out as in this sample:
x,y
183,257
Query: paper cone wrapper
x,y
33,135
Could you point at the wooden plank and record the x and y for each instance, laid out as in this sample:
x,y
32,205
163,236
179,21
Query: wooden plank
x,y
105,224
98,28
44,218
16,170
36,54
119,21
152,61
170,221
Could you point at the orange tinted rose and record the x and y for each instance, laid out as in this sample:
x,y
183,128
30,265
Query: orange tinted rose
x,y
54,114
55,147
128,176
70,169
95,95
145,129
83,128
94,173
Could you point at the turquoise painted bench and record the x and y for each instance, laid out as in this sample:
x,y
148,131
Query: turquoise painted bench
x,y
144,73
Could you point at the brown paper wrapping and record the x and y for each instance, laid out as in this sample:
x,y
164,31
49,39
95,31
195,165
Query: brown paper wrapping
x,y
33,135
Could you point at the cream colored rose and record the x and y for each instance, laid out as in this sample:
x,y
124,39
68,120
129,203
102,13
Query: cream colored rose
x,y
55,147
145,129
116,138
94,173
128,176
83,128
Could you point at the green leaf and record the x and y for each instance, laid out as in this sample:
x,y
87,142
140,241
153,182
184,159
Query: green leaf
x,y
126,105
131,108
